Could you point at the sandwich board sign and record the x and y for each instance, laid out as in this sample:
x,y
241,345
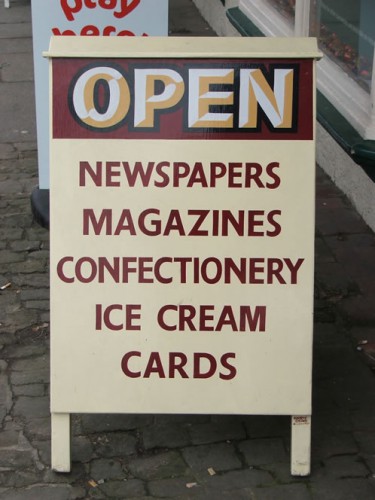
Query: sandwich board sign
x,y
86,18
182,229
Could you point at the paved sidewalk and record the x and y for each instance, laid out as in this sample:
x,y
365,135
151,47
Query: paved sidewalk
x,y
154,457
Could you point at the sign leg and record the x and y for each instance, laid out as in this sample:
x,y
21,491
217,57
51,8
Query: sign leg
x,y
300,446
60,442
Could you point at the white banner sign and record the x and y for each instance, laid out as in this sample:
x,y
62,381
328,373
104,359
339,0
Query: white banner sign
x,y
86,18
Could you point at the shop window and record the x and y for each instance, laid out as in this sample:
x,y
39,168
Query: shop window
x,y
346,33
285,7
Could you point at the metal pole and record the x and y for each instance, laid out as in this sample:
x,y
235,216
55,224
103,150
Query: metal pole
x,y
370,129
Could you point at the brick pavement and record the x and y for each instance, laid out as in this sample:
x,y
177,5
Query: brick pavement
x,y
154,457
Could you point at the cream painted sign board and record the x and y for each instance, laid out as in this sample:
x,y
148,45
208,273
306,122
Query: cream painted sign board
x,y
182,228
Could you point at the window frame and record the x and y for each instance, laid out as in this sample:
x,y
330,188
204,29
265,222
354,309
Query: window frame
x,y
355,104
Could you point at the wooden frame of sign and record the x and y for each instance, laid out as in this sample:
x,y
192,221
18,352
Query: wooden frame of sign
x,y
182,229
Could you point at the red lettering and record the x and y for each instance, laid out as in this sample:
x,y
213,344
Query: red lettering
x,y
274,268
235,172
276,226
256,266
138,171
177,362
126,33
108,4
199,372
57,32
70,10
238,224
125,223
143,269
253,222
127,269
164,182
253,172
91,269
96,175
206,317
154,365
160,319
90,30
218,170
253,322
200,365
107,321
181,170
127,6
240,271
125,367
186,315
197,176
227,319
89,219
294,268
158,276
276,179
131,313
98,317
108,30
112,171
60,270
232,370
201,217
112,268
71,7
183,261
156,224
174,223
217,267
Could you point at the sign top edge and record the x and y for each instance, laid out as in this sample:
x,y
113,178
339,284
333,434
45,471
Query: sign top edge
x,y
182,47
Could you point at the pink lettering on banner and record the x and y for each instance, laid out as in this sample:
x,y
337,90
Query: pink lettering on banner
x,y
91,30
120,8
124,7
